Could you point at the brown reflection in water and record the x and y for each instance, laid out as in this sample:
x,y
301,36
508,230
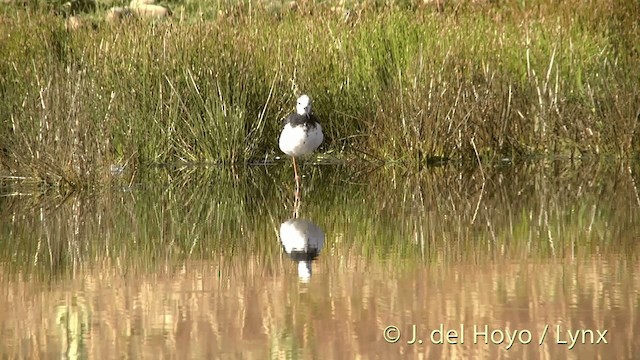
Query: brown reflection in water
x,y
194,268
193,313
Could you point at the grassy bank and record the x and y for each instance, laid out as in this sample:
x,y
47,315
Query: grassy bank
x,y
402,82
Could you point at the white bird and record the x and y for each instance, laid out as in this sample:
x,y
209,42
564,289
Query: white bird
x,y
302,240
301,135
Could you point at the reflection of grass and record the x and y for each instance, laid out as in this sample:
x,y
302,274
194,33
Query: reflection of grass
x,y
73,323
446,214
189,313
399,82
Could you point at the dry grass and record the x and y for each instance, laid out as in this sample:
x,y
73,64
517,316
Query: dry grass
x,y
405,82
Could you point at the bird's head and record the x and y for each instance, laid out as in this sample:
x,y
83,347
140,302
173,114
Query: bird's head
x,y
303,107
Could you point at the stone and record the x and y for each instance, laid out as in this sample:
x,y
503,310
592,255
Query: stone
x,y
151,11
136,3
73,23
79,6
117,13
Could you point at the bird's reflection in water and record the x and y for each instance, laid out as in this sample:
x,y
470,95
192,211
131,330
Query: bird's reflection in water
x,y
302,240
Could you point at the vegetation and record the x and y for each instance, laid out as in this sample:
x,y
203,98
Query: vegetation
x,y
392,80
448,214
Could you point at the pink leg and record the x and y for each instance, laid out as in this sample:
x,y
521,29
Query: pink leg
x,y
296,207
295,171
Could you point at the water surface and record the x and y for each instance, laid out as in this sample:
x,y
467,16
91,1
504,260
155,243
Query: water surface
x,y
188,263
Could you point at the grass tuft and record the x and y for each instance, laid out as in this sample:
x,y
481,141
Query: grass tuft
x,y
400,81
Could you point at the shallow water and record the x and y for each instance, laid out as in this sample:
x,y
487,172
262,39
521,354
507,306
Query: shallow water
x,y
188,263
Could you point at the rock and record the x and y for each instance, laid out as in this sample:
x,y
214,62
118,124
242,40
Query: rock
x,y
136,3
292,6
437,4
73,23
151,11
274,8
79,6
116,14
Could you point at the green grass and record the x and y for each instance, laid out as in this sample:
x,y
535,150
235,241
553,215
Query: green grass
x,y
404,83
541,210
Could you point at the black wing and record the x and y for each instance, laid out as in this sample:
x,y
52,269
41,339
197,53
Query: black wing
x,y
296,119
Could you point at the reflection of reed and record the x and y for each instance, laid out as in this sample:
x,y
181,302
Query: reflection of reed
x,y
539,243
531,210
192,312
536,209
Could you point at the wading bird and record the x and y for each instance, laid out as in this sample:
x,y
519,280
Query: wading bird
x,y
301,135
302,240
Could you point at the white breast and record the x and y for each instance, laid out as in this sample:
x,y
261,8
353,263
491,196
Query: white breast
x,y
301,235
300,140
304,236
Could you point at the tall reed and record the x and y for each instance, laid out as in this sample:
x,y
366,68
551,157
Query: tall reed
x,y
403,82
